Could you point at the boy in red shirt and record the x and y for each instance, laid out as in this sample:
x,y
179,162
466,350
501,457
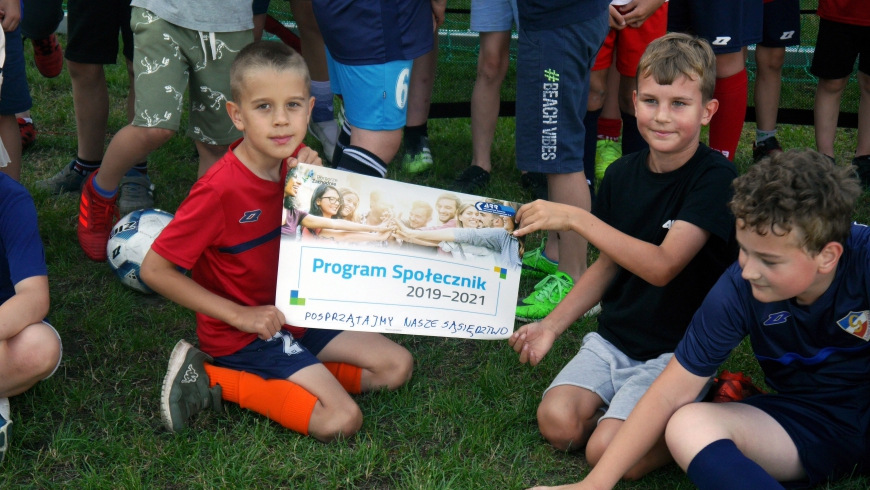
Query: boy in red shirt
x,y
844,36
227,231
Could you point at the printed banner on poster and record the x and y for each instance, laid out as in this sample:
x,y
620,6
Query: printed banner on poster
x,y
376,255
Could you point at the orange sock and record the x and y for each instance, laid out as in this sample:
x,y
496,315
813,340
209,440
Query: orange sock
x,y
348,375
278,399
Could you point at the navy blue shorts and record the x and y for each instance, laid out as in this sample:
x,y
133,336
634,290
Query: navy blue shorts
x,y
831,439
553,68
837,48
782,24
15,93
260,7
281,356
727,25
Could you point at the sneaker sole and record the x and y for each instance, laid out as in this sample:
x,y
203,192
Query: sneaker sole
x,y
593,312
4,438
176,363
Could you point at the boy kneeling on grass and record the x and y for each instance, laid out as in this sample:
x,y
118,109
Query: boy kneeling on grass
x,y
30,348
801,291
662,224
227,232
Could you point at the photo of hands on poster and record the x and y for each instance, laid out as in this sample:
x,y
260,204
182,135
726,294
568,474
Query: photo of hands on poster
x,y
362,253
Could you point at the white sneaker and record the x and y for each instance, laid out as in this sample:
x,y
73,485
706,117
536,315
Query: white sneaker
x,y
326,133
5,424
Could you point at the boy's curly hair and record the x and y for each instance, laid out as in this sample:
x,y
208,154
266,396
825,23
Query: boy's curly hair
x,y
800,190
675,55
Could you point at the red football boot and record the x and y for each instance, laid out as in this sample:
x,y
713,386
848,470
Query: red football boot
x,y
732,387
96,217
28,133
48,56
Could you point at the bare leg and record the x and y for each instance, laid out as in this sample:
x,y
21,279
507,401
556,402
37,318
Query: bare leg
x,y
613,97
768,85
420,87
131,145
826,111
597,90
26,358
335,414
10,134
384,144
657,457
385,364
259,26
758,436
492,65
567,416
571,189
208,156
311,39
91,106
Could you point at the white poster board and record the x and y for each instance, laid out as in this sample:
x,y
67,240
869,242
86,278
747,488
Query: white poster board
x,y
429,262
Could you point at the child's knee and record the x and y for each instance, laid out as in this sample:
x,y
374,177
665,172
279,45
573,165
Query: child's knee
x,y
37,351
559,427
686,421
343,421
832,85
401,371
154,137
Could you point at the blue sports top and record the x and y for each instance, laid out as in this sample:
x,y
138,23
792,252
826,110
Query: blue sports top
x,y
820,351
538,15
374,32
21,252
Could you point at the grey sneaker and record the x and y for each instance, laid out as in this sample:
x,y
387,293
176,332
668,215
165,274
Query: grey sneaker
x,y
67,180
326,133
135,192
185,388
5,424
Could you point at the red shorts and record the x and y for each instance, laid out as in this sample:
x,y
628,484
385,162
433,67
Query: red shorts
x,y
630,43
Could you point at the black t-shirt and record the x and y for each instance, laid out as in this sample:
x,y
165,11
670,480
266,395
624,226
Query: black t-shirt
x,y
642,320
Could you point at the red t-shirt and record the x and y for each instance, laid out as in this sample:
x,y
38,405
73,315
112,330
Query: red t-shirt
x,y
854,12
227,232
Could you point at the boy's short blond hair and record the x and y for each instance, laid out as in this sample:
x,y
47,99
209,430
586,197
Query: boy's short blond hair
x,y
800,190
422,205
675,55
266,54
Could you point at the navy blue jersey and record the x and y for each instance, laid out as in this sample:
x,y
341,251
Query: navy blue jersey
x,y
819,351
374,32
21,252
538,15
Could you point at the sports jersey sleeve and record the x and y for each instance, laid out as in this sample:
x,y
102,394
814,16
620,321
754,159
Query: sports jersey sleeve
x,y
706,205
719,325
198,223
20,237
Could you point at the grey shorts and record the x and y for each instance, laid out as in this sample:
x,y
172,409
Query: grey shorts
x,y
60,354
604,370
494,15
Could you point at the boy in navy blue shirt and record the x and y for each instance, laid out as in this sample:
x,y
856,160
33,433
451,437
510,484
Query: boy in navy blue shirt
x,y
30,348
801,292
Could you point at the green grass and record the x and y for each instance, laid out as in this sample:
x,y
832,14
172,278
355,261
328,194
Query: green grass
x,y
466,419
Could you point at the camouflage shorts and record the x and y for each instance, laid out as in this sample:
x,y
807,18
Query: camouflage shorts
x,y
167,59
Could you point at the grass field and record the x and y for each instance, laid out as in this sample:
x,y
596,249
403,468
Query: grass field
x,y
466,419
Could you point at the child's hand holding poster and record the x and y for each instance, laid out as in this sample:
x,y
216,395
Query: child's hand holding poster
x,y
361,253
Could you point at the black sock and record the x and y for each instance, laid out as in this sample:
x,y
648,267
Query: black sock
x,y
361,161
142,167
342,143
85,167
590,140
632,141
414,133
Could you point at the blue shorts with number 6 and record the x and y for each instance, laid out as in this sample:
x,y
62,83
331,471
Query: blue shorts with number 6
x,y
375,96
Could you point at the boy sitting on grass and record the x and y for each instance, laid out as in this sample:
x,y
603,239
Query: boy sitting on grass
x,y
801,292
227,231
30,348
662,225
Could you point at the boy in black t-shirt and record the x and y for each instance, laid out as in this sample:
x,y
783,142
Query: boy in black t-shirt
x,y
665,234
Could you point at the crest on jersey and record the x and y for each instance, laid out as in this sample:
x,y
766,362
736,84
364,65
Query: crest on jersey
x,y
857,323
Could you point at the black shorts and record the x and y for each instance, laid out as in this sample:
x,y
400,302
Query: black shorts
x,y
279,357
782,24
837,48
728,25
831,438
93,27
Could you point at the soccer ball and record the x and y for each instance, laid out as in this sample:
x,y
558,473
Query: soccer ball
x,y
131,238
